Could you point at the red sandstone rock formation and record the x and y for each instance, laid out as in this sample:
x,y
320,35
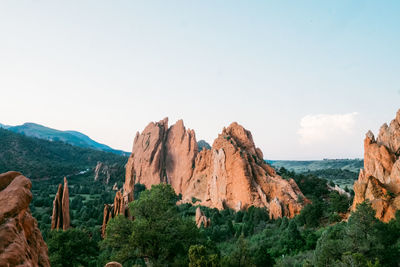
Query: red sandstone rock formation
x,y
60,218
102,171
232,174
201,219
21,243
110,211
379,181
146,163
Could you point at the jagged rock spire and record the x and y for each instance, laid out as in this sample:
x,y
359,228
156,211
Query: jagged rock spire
x,y
61,218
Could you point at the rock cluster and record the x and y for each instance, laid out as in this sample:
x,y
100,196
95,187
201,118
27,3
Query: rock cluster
x,y
379,181
201,218
110,211
102,171
232,174
21,243
60,218
106,172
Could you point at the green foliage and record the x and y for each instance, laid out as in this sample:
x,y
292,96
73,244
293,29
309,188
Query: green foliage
x,y
198,257
117,245
37,158
72,247
158,234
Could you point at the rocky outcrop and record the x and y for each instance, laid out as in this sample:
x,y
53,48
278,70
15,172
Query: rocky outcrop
x,y
379,181
21,243
161,155
106,172
110,211
338,189
102,171
201,219
60,218
232,174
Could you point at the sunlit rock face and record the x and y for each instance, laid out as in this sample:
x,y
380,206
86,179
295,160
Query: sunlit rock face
x,y
21,243
60,218
111,210
379,181
232,174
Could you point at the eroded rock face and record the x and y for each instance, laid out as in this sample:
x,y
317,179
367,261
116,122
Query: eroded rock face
x,y
234,174
231,174
379,181
60,218
146,164
201,219
110,211
21,243
102,171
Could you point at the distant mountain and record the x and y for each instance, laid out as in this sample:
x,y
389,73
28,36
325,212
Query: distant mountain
x,y
69,137
203,145
4,126
353,165
38,158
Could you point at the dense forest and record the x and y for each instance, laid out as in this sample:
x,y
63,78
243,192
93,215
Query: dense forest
x,y
39,159
164,233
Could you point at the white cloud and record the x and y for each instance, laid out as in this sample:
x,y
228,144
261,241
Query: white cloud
x,y
316,129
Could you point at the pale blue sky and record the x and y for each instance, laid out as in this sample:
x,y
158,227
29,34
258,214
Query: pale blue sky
x,y
308,78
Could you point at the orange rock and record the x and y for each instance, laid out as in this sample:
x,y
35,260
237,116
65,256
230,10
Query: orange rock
x,y
110,211
237,177
146,165
65,206
60,218
201,219
181,150
379,181
232,174
21,243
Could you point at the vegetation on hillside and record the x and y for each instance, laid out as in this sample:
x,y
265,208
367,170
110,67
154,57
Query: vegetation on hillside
x,y
37,158
353,165
164,234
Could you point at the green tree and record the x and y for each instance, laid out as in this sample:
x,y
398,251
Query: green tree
x,y
72,247
117,245
159,233
240,256
198,257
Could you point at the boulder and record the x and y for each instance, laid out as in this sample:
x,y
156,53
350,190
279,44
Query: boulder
x,y
21,243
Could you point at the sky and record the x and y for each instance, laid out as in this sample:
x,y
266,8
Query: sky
x,y
307,78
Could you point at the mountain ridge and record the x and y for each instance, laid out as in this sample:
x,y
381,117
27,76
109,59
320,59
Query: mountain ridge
x,y
71,137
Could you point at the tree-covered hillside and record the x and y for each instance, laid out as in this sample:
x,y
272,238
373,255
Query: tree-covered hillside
x,y
70,137
37,158
353,165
